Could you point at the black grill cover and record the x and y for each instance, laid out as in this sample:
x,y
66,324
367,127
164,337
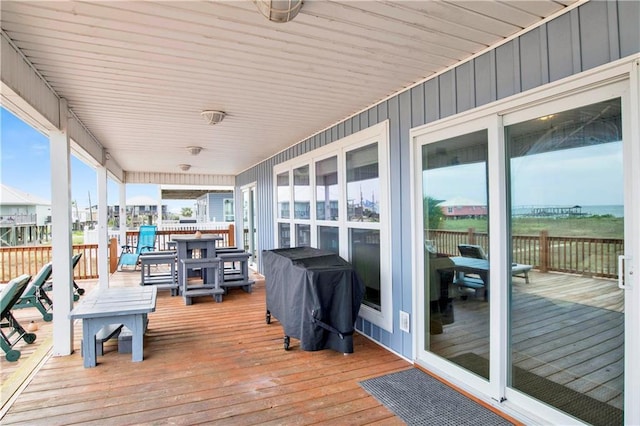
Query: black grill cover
x,y
316,296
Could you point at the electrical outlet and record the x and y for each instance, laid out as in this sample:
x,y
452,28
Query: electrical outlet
x,y
404,321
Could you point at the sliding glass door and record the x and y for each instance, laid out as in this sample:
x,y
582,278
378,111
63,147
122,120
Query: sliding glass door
x,y
567,214
526,246
455,288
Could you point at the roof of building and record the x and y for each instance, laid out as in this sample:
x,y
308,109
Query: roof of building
x,y
461,202
14,197
142,200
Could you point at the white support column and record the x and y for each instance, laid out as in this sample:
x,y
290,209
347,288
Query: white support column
x,y
123,213
61,246
159,222
103,235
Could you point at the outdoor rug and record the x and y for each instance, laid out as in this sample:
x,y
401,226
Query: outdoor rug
x,y
566,399
419,399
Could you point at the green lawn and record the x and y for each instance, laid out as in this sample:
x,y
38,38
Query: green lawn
x,y
77,237
593,227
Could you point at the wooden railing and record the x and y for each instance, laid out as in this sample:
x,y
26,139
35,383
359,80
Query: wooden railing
x,y
597,257
164,236
588,256
15,261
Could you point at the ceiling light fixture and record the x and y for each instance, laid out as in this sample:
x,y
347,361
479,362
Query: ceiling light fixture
x,y
279,10
184,167
213,117
194,150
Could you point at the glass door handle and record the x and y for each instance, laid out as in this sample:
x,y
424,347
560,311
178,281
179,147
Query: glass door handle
x,y
621,259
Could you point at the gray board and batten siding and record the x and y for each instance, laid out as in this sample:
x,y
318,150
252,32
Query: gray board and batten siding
x,y
593,34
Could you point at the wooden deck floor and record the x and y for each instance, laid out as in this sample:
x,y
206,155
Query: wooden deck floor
x,y
221,363
568,329
206,363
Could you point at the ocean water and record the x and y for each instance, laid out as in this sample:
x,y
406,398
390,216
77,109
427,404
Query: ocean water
x,y
614,210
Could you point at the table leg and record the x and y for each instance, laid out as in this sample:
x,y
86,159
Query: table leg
x,y
89,331
137,350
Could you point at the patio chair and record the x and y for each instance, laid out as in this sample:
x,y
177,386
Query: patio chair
x,y
146,243
35,295
77,290
475,251
8,297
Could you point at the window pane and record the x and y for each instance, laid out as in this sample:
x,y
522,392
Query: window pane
x,y
456,260
364,251
567,319
327,191
284,196
302,193
284,235
303,235
228,210
363,184
328,238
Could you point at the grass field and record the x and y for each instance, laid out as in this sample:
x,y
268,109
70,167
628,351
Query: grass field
x,y
77,237
592,227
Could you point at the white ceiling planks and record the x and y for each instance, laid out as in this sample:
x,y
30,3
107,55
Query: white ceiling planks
x,y
138,73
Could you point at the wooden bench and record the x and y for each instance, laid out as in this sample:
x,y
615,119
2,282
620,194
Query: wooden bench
x,y
166,279
209,287
237,275
128,306
521,270
472,283
105,333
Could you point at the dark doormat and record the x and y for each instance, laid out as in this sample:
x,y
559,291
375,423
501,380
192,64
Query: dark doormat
x,y
419,399
566,399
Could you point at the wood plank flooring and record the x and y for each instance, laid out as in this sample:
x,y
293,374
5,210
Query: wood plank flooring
x,y
566,328
214,363
220,363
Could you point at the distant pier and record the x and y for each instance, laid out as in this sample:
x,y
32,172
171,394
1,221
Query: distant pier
x,y
551,211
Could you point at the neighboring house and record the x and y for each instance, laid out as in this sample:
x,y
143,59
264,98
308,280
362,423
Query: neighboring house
x,y
463,208
24,218
215,206
141,210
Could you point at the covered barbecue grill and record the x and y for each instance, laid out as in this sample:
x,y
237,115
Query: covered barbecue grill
x,y
316,296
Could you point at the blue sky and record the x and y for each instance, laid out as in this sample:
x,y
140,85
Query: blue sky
x,y
25,165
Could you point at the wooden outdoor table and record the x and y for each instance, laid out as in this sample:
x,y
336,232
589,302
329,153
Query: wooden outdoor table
x,y
114,305
470,265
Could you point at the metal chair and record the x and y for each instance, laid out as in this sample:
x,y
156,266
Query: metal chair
x,y
146,243
35,295
8,297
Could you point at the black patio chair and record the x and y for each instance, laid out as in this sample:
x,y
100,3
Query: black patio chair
x,y
77,290
8,297
35,295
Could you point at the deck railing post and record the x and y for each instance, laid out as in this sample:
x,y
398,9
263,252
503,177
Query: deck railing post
x,y
544,251
113,255
232,235
471,235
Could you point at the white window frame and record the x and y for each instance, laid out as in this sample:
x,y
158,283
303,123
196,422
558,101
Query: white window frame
x,y
379,134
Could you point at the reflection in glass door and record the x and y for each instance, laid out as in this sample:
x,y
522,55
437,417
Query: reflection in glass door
x,y
457,292
567,221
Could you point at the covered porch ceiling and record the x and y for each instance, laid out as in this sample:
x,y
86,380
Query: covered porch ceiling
x,y
138,74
